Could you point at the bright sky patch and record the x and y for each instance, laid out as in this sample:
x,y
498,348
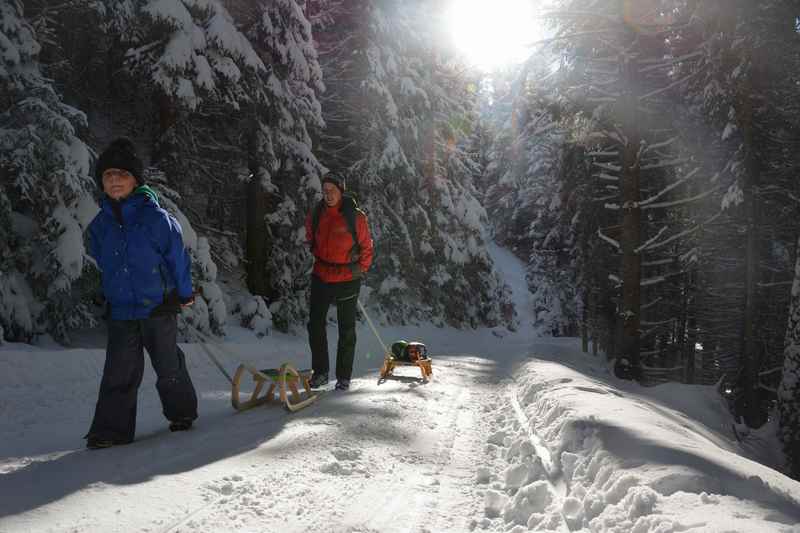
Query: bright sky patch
x,y
493,34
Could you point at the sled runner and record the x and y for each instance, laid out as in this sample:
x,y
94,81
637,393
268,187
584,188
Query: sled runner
x,y
283,380
405,353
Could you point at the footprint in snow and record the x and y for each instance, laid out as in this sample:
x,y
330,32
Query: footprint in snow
x,y
343,469
346,454
346,462
387,399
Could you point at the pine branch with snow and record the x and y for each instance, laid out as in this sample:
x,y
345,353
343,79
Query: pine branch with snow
x,y
46,187
400,117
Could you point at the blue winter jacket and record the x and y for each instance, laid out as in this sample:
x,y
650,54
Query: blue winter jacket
x,y
142,256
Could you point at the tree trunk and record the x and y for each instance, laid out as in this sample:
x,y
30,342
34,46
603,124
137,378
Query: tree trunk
x,y
585,323
257,242
164,145
789,389
631,220
256,249
750,407
690,349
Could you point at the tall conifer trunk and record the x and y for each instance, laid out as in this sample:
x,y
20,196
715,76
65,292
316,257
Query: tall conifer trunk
x,y
257,243
750,352
631,218
789,389
167,117
691,328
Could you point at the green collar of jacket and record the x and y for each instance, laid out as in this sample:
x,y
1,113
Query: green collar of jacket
x,y
147,191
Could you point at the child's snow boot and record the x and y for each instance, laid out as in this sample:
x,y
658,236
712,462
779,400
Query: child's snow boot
x,y
318,380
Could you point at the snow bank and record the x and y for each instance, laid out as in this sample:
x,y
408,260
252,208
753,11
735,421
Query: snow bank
x,y
624,460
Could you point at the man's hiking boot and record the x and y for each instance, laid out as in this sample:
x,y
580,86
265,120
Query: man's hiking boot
x,y
342,384
180,425
98,443
318,380
95,442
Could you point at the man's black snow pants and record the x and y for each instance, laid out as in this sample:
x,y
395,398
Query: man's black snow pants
x,y
345,296
115,414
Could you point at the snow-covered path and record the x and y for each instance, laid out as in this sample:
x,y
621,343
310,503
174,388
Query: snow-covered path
x,y
549,443
396,456
515,433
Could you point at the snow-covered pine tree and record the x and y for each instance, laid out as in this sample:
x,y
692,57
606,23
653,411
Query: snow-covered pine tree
x,y
192,65
194,53
706,95
284,172
243,91
392,127
479,146
738,127
500,181
525,199
233,94
616,55
44,192
187,64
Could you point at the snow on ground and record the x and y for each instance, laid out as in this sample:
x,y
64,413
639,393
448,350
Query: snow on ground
x,y
514,433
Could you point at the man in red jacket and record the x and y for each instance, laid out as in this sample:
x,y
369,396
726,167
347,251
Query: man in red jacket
x,y
338,234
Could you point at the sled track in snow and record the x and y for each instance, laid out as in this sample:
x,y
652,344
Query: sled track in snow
x,y
194,514
554,476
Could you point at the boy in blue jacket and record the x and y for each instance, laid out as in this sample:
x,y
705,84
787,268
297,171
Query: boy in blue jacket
x,y
146,273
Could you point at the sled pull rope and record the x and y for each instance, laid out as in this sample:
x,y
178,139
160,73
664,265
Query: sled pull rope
x,y
208,352
217,363
372,326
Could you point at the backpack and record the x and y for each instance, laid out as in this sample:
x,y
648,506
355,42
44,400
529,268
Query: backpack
x,y
349,210
409,351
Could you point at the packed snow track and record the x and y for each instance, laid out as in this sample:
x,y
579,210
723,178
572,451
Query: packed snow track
x,y
550,442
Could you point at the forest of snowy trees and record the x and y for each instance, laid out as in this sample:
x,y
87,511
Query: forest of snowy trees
x,y
643,163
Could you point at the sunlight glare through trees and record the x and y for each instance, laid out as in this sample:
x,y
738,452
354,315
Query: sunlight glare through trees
x,y
496,34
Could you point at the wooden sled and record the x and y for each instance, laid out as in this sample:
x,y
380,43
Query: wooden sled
x,y
390,362
284,379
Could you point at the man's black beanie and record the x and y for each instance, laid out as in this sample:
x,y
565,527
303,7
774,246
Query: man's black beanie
x,y
336,180
121,154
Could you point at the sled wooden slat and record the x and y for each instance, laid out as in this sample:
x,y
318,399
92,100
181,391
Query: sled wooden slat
x,y
278,380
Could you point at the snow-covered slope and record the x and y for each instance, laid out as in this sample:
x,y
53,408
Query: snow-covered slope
x,y
514,433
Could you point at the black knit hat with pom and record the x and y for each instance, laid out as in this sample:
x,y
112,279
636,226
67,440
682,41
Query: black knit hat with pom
x,y
336,180
121,154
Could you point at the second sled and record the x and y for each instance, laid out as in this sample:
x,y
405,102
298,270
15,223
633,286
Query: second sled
x,y
281,384
405,353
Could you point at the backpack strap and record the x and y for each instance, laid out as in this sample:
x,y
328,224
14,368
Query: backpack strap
x,y
315,216
349,211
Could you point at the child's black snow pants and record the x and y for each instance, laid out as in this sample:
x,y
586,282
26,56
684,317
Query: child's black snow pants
x,y
115,414
345,296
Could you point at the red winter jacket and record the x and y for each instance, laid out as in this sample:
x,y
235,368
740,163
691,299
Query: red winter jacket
x,y
333,243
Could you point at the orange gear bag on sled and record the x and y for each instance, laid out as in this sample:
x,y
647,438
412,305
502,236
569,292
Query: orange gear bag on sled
x,y
404,353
